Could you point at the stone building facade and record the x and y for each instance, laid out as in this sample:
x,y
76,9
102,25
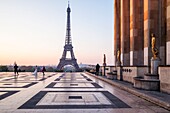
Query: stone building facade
x,y
168,32
134,23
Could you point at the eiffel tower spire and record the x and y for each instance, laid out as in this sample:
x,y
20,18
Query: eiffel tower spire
x,y
68,33
68,3
68,46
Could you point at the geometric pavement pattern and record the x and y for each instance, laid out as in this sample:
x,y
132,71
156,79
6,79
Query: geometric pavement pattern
x,y
24,80
73,99
67,93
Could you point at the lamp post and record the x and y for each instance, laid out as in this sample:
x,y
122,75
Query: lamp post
x,y
104,64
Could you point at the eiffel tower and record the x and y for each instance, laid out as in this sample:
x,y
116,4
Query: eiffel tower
x,y
68,47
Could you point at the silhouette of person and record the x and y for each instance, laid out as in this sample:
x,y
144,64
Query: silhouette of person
x,y
15,69
97,69
43,70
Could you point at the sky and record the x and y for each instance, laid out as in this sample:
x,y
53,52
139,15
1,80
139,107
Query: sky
x,y
32,32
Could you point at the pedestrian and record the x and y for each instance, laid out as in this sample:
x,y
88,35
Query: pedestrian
x,y
15,70
43,70
97,69
35,71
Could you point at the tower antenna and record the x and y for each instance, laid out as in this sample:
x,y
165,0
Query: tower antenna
x,y
68,3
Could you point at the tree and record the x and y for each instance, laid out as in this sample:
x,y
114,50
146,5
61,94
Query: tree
x,y
3,68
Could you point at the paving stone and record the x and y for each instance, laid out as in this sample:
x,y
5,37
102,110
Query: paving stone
x,y
67,93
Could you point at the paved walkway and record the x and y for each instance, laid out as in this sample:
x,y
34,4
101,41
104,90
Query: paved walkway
x,y
156,97
67,93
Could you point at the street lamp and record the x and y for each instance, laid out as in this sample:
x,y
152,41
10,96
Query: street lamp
x,y
104,64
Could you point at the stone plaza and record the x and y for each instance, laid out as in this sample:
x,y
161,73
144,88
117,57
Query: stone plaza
x,y
72,93
139,82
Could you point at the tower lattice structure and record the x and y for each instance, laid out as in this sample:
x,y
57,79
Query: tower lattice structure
x,y
68,47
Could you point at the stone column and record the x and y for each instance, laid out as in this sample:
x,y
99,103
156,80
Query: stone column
x,y
151,25
136,32
116,28
125,32
168,34
162,31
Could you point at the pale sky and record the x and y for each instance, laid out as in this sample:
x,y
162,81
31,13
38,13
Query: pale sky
x,y
32,32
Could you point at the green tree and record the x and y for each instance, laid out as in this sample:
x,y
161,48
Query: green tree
x,y
3,68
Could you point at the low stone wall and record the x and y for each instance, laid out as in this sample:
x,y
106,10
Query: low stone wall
x,y
128,73
164,77
147,84
108,69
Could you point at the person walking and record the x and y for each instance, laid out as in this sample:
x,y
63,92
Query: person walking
x,y
15,70
97,69
35,71
43,70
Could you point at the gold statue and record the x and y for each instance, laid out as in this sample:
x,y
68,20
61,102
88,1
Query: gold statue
x,y
118,55
155,51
